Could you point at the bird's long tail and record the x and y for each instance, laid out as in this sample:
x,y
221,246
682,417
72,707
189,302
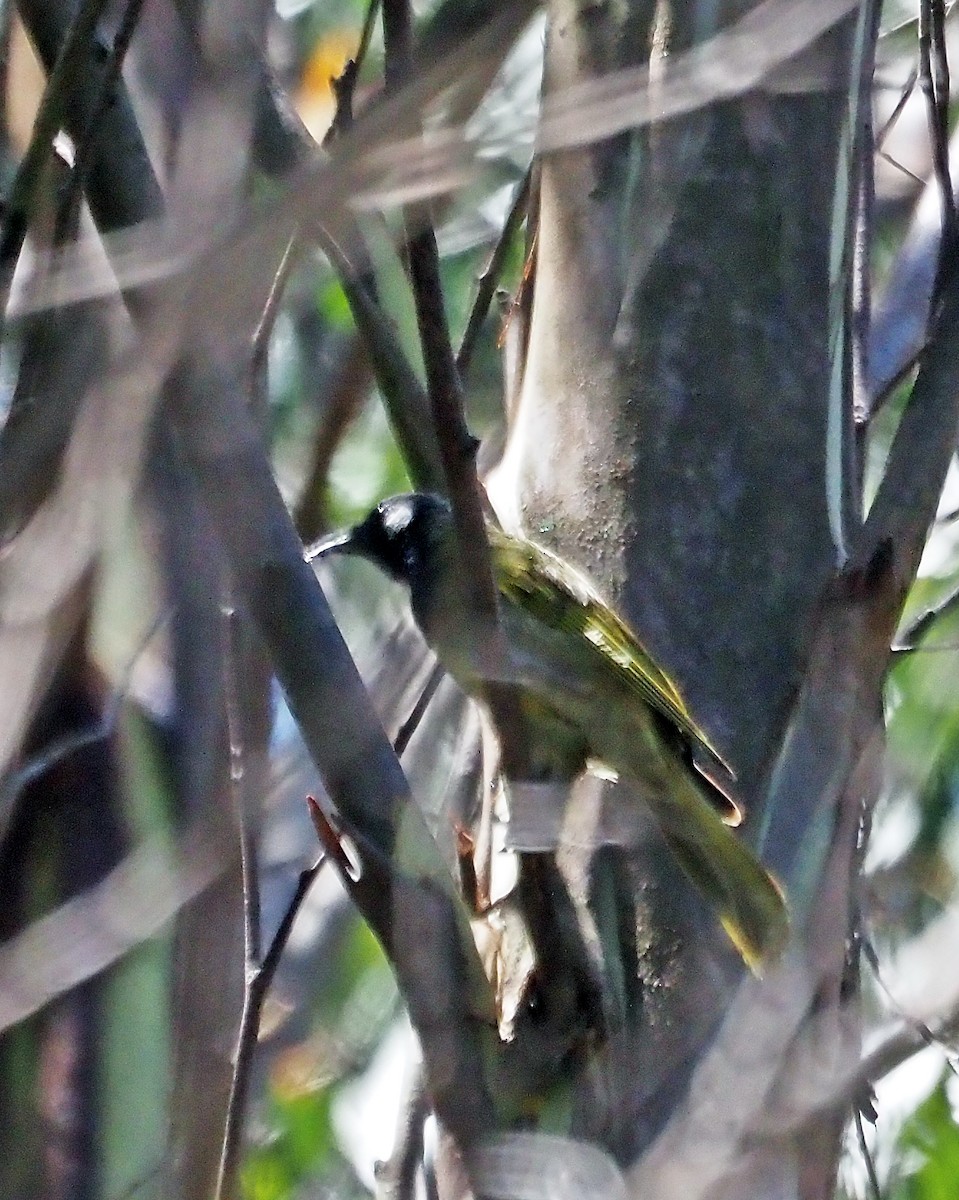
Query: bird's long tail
x,y
750,904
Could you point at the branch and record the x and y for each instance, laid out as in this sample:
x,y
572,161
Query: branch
x,y
86,146
260,347
396,1179
934,83
491,275
127,192
875,1191
896,113
407,404
364,779
259,979
406,918
917,629
457,446
346,393
66,68
345,86
908,494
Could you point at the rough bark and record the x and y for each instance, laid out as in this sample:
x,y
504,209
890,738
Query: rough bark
x,y
683,433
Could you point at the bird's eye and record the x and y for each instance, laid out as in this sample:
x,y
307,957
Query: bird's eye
x,y
534,999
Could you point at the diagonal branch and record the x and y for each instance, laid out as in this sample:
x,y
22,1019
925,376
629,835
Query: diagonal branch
x,y
457,446
934,83
908,495
66,70
283,597
407,404
331,707
917,629
87,145
491,275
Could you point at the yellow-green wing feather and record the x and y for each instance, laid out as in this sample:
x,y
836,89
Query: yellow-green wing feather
x,y
559,596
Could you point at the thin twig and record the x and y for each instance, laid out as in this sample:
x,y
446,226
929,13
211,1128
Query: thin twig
x,y
934,83
491,275
345,86
366,36
407,404
894,162
908,23
242,801
412,722
396,1178
867,1158
258,984
923,1031
346,394
907,90
457,446
261,337
917,629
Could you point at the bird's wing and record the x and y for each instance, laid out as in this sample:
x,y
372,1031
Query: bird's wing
x,y
557,595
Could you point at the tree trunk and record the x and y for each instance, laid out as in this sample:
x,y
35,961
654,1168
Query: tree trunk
x,y
684,433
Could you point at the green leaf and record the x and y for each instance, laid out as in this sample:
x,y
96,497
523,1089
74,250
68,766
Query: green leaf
x,y
928,1150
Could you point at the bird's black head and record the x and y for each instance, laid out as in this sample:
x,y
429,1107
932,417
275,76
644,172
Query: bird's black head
x,y
397,536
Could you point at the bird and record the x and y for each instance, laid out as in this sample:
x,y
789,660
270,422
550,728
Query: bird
x,y
589,693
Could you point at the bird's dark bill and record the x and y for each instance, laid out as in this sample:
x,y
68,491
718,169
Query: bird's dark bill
x,y
335,543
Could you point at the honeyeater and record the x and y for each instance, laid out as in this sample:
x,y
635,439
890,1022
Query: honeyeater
x,y
588,690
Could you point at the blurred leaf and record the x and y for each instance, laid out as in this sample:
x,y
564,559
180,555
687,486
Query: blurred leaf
x,y
301,1142
135,1052
265,1176
315,98
928,1151
360,954
307,1136
332,304
20,1132
367,467
354,1005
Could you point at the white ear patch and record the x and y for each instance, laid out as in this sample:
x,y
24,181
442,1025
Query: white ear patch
x,y
397,515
